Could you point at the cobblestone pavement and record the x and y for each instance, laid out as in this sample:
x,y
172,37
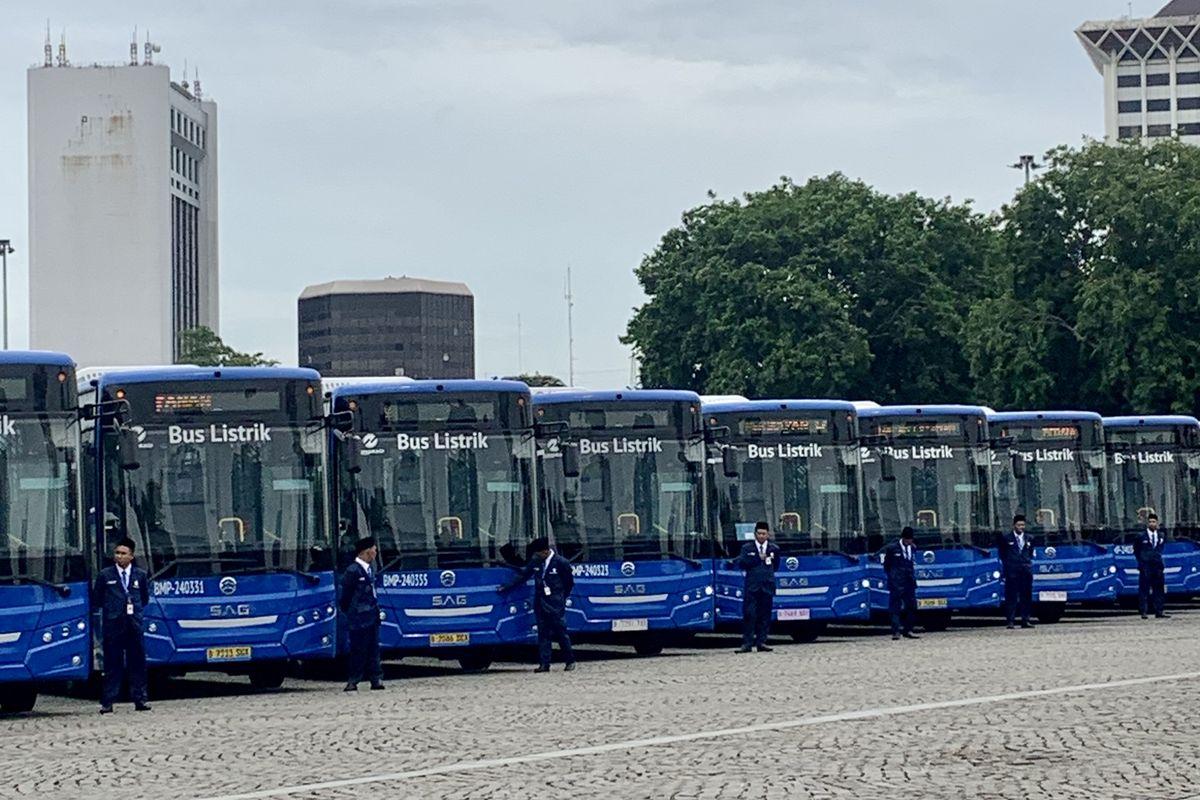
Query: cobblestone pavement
x,y
214,737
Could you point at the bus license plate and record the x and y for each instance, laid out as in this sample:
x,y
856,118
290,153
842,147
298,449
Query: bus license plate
x,y
239,653
931,602
1052,597
436,639
640,624
793,613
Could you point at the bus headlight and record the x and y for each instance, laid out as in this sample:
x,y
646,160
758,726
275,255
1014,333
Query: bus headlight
x,y
686,598
1113,570
708,590
81,626
47,637
76,661
996,575
66,631
300,619
569,603
739,592
866,584
329,611
154,627
512,610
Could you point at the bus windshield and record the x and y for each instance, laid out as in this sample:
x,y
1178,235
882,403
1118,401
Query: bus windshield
x,y
811,501
442,499
38,501
1060,495
941,490
1153,478
222,498
637,498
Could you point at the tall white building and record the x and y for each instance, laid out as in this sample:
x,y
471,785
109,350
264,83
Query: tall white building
x,y
1151,70
122,210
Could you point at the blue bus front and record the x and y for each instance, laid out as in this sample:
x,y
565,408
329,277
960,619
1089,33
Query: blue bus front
x,y
1049,467
218,477
441,474
44,625
623,499
929,467
793,464
1154,467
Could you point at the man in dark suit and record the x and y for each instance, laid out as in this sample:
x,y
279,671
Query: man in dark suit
x,y
1016,553
1152,588
552,585
902,585
360,605
121,593
759,560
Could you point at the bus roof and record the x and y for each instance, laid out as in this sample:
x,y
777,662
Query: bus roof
x,y
48,358
1034,416
617,396
865,412
410,386
1152,421
155,374
768,406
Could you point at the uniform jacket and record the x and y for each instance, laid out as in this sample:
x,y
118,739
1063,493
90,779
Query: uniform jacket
x,y
1016,560
760,572
359,601
555,576
1148,556
110,597
898,568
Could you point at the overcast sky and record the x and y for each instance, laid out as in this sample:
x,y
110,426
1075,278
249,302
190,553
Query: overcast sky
x,y
499,142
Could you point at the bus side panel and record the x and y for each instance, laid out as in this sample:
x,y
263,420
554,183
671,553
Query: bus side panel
x,y
1181,568
619,596
44,636
1081,571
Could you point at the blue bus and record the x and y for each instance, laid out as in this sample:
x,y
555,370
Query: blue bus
x,y
1049,466
44,625
441,473
1154,467
929,467
217,474
624,501
795,465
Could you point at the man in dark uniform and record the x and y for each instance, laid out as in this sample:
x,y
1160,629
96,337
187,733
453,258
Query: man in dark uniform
x,y
121,593
902,585
759,559
1016,553
1152,588
360,605
552,585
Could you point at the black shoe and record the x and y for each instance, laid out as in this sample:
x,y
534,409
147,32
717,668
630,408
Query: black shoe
x,y
1144,616
350,687
1010,626
895,637
142,706
744,649
106,709
1164,615
542,669
911,635
377,687
762,648
1027,625
570,667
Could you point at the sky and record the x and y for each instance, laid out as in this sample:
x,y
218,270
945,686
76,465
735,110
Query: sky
x,y
499,143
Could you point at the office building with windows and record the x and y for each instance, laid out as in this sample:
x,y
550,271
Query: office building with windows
x,y
395,326
1151,72
122,209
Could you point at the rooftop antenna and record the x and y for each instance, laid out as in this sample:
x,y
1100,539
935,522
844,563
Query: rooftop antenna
x,y
570,298
196,82
185,81
133,48
62,49
149,49
48,50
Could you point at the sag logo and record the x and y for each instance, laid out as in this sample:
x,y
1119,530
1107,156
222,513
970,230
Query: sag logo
x,y
1051,552
447,578
792,563
928,556
370,441
627,568
228,585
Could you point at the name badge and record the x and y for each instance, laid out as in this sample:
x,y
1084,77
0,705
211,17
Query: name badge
x,y
129,609
135,584
546,590
769,558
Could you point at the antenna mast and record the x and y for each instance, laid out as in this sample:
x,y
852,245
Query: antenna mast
x,y
570,298
48,50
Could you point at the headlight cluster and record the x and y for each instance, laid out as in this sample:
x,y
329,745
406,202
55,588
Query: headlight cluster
x,y
63,630
314,615
996,575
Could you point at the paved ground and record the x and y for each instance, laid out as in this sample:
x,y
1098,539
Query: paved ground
x,y
854,715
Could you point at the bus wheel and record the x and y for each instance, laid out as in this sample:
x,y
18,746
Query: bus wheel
x,y
935,620
475,662
647,647
19,698
806,633
1050,613
268,677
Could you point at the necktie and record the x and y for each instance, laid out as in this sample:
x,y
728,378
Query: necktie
x,y
762,551
125,579
907,553
1153,539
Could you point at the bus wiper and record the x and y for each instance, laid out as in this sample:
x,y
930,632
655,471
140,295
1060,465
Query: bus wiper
x,y
691,562
311,579
170,565
63,591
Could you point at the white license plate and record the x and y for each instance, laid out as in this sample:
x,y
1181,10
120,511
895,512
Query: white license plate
x,y
792,613
931,602
640,624
1052,597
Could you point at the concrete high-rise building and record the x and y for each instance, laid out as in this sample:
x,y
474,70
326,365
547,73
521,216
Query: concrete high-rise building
x,y
394,326
1151,70
122,209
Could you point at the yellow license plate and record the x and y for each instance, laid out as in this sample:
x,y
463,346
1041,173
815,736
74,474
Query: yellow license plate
x,y
239,653
931,602
436,639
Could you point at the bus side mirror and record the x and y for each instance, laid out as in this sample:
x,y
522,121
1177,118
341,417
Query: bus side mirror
x,y
1019,467
729,463
570,459
351,453
887,467
127,443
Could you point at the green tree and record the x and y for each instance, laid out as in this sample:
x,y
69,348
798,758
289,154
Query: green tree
x,y
536,379
824,289
204,348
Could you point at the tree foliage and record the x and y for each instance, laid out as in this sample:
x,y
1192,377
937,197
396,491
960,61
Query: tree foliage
x,y
201,346
535,379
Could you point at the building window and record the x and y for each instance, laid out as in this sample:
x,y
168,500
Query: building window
x,y
1126,81
1187,77
1129,132
1129,106
1189,129
1158,130
1186,103
1159,79
1158,105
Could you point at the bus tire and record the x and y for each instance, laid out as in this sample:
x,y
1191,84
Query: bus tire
x,y
935,620
18,698
1049,613
267,677
804,633
475,662
648,647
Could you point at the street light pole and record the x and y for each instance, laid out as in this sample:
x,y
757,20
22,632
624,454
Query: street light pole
x,y
1026,163
5,249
